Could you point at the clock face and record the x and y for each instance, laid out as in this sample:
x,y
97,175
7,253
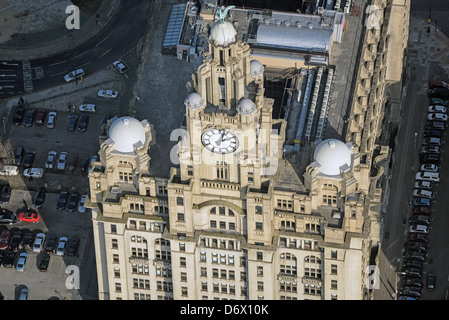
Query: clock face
x,y
220,141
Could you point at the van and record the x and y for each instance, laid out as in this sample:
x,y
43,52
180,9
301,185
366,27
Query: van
x,y
429,176
9,171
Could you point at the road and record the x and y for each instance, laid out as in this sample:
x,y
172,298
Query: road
x,y
118,39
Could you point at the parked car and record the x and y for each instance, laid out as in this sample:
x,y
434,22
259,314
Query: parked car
x,y
411,291
416,246
35,173
436,109
28,159
433,133
419,228
38,242
81,207
84,121
27,240
50,244
62,161
437,117
23,294
51,158
40,117
439,101
18,155
418,237
72,247
7,217
75,74
16,238
429,167
51,119
73,201
419,219
19,114
422,193
8,261
430,149
5,236
44,261
433,158
410,263
120,66
423,185
431,140
421,202
5,194
73,120
431,279
412,282
29,216
62,200
9,171
441,93
60,250
109,94
29,117
435,125
39,198
89,107
22,261
411,273
428,176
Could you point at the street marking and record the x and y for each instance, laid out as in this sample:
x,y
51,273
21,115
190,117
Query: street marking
x,y
82,54
57,74
54,64
85,64
105,53
102,41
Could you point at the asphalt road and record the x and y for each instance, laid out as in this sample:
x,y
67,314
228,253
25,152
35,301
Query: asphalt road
x,y
436,10
118,39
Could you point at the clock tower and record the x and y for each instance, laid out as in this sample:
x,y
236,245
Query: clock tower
x,y
228,150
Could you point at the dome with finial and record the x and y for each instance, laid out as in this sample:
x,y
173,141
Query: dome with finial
x,y
125,132
255,68
331,155
246,106
193,101
222,33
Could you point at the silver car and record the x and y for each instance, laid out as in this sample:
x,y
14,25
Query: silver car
x,y
109,94
51,158
88,108
78,73
61,246
38,242
22,261
62,161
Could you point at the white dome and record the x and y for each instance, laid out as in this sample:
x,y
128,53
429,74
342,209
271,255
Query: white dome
x,y
331,154
246,106
255,68
194,101
125,132
222,33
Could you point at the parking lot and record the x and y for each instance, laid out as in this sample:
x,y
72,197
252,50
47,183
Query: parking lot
x,y
80,146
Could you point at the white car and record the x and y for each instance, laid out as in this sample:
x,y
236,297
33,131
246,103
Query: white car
x,y
51,119
120,66
35,173
78,73
88,108
51,158
437,109
429,167
62,161
437,116
418,228
81,207
109,94
38,242
422,193
61,246
423,185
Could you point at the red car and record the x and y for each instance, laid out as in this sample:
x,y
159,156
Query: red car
x,y
4,239
29,216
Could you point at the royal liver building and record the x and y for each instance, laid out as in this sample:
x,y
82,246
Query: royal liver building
x,y
235,219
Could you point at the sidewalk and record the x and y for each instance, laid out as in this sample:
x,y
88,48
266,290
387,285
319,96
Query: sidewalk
x,y
62,39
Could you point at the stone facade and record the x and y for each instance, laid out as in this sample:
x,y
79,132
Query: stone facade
x,y
221,226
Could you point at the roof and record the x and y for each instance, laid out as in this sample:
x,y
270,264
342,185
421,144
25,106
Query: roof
x,y
331,155
222,33
125,132
304,38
